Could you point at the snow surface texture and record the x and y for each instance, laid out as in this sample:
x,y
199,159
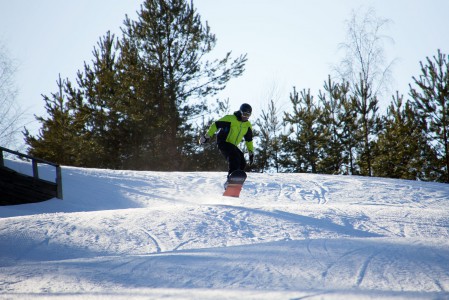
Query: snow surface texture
x,y
153,235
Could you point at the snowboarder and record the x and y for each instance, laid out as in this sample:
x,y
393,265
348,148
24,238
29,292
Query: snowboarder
x,y
231,130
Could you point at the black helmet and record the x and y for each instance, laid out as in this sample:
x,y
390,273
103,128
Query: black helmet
x,y
246,108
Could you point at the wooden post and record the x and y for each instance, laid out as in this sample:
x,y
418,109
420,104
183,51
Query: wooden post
x,y
35,169
58,183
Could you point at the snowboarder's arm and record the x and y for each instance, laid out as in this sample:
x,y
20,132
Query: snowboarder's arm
x,y
224,122
249,140
212,129
250,146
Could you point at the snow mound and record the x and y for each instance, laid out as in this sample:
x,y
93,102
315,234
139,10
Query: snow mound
x,y
171,235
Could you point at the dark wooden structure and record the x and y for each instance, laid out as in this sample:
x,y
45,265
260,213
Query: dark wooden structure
x,y
17,188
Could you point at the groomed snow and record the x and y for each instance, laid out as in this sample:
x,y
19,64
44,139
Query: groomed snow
x,y
171,235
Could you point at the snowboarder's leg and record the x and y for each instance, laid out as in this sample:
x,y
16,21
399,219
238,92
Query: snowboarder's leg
x,y
233,156
234,161
242,160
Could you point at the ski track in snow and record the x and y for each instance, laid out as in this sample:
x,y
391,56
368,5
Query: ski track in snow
x,y
170,235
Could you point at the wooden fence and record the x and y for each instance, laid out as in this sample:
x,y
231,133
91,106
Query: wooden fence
x,y
21,184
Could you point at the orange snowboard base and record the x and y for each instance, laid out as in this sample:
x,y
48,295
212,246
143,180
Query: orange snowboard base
x,y
233,190
235,183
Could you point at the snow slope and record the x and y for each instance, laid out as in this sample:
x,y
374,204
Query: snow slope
x,y
154,235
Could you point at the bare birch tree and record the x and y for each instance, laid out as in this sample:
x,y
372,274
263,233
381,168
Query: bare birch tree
x,y
365,67
10,113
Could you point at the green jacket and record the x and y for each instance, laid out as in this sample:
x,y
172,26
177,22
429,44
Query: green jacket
x,y
232,129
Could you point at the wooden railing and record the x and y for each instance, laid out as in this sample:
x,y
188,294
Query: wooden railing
x,y
35,161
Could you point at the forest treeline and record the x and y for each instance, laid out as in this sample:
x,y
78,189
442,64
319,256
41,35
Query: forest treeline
x,y
147,95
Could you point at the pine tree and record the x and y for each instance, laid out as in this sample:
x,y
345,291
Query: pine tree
x,y
58,140
366,105
350,135
302,144
431,99
270,141
171,41
402,150
135,104
99,100
333,103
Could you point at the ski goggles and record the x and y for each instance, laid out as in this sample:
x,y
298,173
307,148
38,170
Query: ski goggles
x,y
246,114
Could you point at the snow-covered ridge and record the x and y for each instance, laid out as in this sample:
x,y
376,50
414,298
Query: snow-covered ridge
x,y
130,234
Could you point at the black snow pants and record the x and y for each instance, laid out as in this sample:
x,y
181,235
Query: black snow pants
x,y
234,156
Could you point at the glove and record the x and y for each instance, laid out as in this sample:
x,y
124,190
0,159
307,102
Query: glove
x,y
251,158
204,139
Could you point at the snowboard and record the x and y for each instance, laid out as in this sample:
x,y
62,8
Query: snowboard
x,y
235,183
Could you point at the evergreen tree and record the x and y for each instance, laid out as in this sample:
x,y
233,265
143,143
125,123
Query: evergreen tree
x,y
369,121
402,150
431,99
135,104
171,40
304,142
350,134
270,141
58,140
99,102
333,102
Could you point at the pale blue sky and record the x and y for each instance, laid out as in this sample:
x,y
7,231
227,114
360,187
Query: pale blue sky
x,y
288,42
